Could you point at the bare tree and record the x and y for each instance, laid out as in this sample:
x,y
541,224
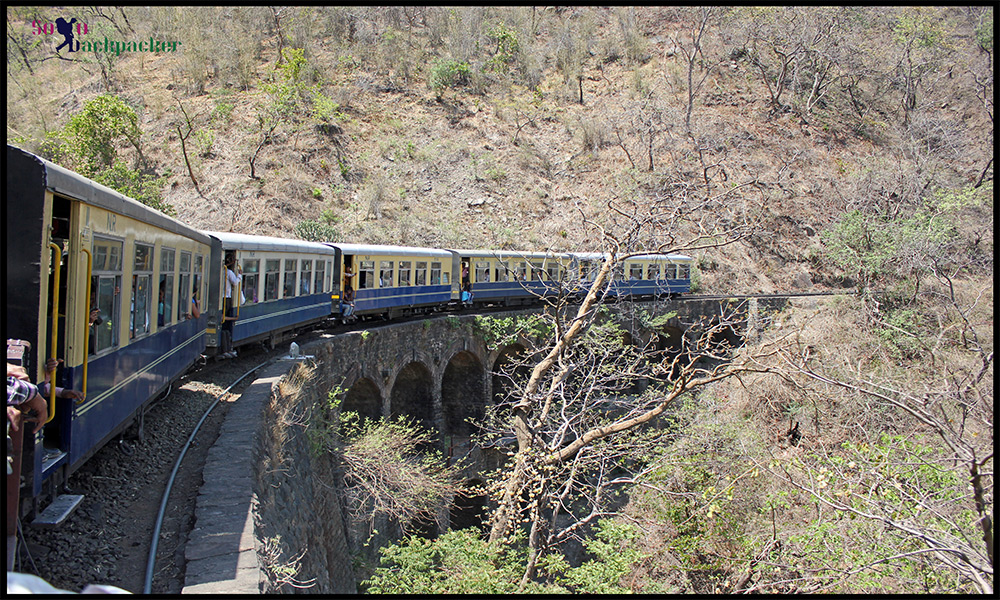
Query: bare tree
x,y
183,137
571,413
691,46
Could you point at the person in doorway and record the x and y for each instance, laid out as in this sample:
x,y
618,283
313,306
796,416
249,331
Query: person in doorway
x,y
234,277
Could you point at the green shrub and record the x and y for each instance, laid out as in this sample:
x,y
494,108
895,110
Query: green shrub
x,y
448,73
315,231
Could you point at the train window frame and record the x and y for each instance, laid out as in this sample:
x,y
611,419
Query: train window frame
x,y
366,274
183,283
552,272
436,273
538,271
482,268
405,268
305,276
420,273
671,271
653,271
272,278
106,282
168,270
319,278
199,284
635,270
684,271
251,280
142,292
386,269
291,268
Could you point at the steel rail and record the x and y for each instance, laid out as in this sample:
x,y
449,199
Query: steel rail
x,y
151,562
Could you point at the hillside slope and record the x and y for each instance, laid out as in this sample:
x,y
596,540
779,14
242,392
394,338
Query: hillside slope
x,y
369,139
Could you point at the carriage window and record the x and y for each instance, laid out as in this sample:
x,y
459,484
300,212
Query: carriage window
x,y
366,274
500,272
272,273
520,269
684,271
435,273
107,255
320,276
164,312
635,271
482,271
671,271
251,278
385,268
142,293
198,280
537,274
420,274
305,281
553,272
184,287
653,271
404,273
105,296
288,289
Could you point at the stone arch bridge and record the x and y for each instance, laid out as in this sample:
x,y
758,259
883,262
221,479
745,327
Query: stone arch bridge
x,y
440,373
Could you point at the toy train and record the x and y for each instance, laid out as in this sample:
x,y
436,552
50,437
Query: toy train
x,y
74,246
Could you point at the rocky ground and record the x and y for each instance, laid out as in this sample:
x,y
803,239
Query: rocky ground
x,y
107,539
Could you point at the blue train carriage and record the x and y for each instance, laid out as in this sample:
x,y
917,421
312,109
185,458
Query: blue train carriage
x,y
654,276
509,278
287,285
74,245
388,281
641,276
584,267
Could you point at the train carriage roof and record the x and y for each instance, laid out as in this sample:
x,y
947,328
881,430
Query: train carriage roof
x,y
77,187
243,241
380,250
602,256
510,254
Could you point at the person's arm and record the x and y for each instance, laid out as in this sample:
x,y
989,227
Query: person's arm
x,y
17,371
22,398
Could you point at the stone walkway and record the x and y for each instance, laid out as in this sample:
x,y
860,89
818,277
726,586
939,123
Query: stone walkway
x,y
221,553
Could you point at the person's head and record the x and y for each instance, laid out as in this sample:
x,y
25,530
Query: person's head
x,y
163,289
230,260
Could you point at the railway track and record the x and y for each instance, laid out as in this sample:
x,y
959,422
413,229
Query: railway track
x,y
108,539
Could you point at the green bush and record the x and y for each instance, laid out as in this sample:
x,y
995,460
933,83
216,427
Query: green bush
x,y
448,73
315,231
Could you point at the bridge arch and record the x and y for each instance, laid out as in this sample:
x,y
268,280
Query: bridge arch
x,y
364,398
463,393
508,370
413,394
469,508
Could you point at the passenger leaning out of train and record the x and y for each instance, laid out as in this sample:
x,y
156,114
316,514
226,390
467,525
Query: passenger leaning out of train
x,y
27,399
234,277
195,308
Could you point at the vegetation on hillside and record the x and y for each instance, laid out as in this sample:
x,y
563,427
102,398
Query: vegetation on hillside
x,y
833,147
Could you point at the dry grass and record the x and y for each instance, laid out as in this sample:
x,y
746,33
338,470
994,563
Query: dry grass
x,y
568,150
